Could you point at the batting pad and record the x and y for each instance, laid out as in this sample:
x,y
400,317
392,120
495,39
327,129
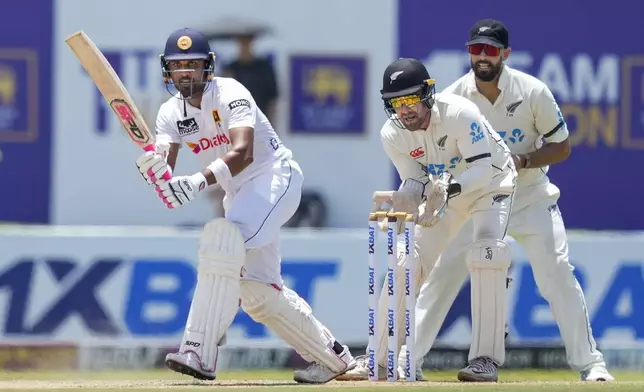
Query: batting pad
x,y
216,298
488,261
291,318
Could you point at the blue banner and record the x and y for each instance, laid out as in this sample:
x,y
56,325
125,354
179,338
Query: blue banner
x,y
592,58
25,110
327,94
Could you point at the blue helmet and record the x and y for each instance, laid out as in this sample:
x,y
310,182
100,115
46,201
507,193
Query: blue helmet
x,y
187,44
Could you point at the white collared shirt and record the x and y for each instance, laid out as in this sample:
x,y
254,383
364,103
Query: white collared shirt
x,y
226,104
458,136
525,114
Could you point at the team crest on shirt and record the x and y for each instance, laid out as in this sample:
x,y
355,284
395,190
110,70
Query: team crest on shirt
x,y
215,116
187,127
511,108
441,143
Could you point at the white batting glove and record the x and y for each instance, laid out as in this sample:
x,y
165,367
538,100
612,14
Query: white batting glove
x,y
181,190
153,167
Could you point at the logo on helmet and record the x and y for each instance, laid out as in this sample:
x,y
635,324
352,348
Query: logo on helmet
x,y
395,75
184,42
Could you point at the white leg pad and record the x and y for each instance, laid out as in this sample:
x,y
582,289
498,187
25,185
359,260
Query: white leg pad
x,y
216,298
291,318
488,261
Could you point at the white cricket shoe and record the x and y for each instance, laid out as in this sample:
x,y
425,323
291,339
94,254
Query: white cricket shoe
x,y
481,369
320,374
596,373
189,364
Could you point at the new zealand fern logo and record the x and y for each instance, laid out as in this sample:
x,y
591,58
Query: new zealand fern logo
x,y
511,108
441,142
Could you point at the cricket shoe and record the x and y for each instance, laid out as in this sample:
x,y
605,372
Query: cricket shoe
x,y
481,369
188,363
320,374
361,371
596,373
419,373
402,360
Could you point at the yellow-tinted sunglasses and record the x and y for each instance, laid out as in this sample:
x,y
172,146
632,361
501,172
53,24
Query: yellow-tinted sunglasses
x,y
407,100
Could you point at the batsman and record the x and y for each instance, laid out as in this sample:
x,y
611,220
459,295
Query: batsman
x,y
454,168
239,257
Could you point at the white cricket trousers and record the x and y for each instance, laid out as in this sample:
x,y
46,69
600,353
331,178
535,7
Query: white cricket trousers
x,y
539,228
260,207
490,218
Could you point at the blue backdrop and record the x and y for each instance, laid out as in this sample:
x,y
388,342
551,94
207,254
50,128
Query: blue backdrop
x,y
592,57
25,110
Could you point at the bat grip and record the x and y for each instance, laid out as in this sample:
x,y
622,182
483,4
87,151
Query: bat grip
x,y
150,147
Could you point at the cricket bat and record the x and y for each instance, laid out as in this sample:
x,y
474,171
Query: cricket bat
x,y
113,90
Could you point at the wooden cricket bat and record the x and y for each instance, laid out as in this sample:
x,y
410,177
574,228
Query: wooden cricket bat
x,y
112,89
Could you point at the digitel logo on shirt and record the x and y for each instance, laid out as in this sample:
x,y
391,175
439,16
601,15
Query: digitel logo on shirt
x,y
204,143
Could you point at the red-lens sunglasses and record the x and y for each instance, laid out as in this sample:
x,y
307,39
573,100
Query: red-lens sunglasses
x,y
477,49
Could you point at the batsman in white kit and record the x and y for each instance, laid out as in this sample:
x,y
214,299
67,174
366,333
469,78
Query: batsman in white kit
x,y
455,168
239,258
523,110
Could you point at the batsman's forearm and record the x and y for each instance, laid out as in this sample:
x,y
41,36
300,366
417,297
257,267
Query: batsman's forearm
x,y
173,153
547,155
236,160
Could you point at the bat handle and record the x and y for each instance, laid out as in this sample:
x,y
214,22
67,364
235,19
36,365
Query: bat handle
x,y
150,147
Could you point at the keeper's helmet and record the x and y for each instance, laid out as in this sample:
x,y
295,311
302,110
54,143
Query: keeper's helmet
x,y
406,82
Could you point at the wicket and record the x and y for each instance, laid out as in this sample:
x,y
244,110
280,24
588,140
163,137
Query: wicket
x,y
410,295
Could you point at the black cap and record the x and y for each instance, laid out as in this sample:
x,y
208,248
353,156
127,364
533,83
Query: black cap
x,y
491,32
404,76
186,44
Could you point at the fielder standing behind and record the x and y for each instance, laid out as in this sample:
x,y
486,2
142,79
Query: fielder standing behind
x,y
445,152
522,110
239,257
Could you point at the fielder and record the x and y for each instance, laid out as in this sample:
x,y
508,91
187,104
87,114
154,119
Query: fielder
x,y
523,110
239,257
448,155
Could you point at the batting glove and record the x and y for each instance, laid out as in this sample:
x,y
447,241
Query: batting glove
x,y
153,168
181,190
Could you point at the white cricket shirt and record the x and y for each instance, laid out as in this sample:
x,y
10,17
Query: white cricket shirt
x,y
458,137
525,114
226,104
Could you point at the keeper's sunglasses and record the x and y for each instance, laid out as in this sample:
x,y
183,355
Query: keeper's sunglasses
x,y
477,49
407,100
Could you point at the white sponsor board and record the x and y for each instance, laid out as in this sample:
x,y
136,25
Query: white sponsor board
x,y
93,161
117,285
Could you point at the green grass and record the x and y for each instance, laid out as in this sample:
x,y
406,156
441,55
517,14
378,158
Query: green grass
x,y
277,381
